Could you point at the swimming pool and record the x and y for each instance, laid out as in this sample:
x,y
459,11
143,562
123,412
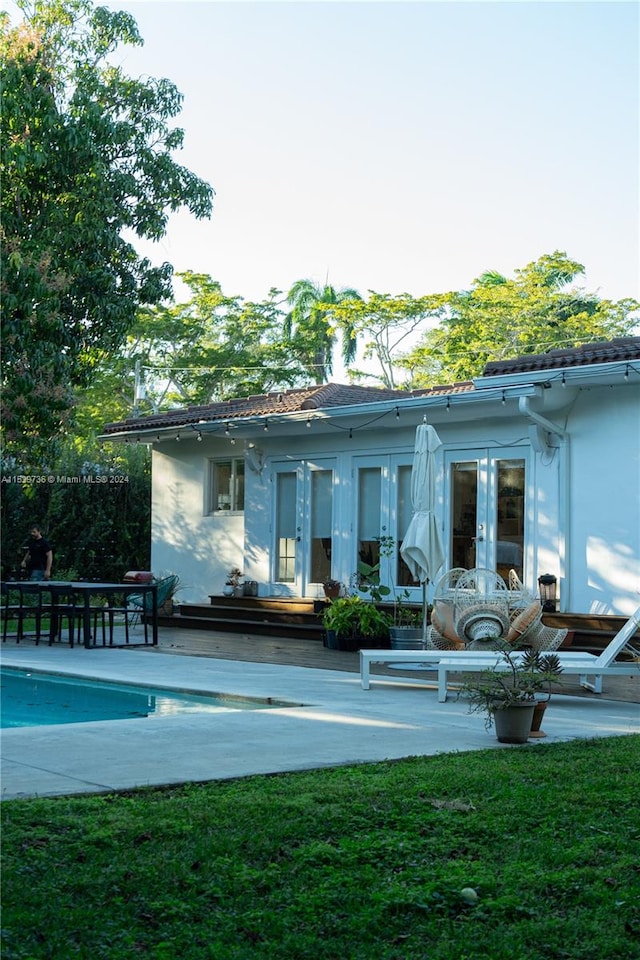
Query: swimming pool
x,y
32,699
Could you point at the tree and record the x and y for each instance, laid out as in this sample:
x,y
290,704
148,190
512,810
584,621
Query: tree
x,y
209,347
309,329
87,154
385,322
498,318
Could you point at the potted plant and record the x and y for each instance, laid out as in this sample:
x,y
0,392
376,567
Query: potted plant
x,y
332,588
232,583
407,630
351,622
507,692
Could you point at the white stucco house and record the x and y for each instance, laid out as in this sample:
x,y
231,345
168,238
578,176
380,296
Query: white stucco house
x,y
539,470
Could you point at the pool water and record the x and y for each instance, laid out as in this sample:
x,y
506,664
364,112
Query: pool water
x,y
31,699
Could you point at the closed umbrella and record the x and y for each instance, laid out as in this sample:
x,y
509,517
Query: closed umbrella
x,y
422,549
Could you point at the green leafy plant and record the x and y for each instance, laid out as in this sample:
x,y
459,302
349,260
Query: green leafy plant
x,y
368,579
351,616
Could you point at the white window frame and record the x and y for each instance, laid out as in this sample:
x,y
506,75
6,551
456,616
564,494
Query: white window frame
x,y
211,507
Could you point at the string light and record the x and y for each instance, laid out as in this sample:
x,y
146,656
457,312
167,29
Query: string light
x,y
504,399
564,381
177,438
266,426
199,437
448,405
308,423
227,432
626,372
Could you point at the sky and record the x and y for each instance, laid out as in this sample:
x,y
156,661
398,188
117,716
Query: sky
x,y
401,147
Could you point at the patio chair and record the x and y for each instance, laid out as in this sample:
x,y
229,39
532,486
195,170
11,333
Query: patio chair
x,y
140,605
480,605
12,609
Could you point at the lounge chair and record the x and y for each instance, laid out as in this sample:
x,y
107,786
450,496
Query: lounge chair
x,y
590,668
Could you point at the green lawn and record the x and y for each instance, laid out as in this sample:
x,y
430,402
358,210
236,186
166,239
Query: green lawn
x,y
357,862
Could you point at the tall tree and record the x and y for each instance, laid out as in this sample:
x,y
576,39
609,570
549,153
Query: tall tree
x,y
87,154
209,347
540,309
310,330
382,324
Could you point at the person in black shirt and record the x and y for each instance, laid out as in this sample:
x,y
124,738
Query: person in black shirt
x,y
39,556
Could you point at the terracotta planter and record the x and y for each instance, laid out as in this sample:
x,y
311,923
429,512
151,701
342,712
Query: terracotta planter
x,y
538,713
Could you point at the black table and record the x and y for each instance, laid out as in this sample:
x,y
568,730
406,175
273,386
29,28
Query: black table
x,y
83,591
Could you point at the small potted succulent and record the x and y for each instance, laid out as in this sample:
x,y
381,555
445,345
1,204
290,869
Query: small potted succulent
x,y
507,693
232,586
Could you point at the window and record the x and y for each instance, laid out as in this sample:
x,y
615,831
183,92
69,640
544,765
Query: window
x,y
226,486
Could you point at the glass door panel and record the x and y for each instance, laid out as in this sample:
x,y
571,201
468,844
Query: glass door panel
x,y
403,577
510,516
304,532
321,511
369,523
287,537
464,513
487,510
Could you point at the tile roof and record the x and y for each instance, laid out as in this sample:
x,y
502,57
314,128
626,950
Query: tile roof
x,y
318,397
329,395
611,351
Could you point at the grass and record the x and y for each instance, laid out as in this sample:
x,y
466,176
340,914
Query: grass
x,y
344,864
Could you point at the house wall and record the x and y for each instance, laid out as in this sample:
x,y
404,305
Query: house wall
x,y
603,556
200,549
583,498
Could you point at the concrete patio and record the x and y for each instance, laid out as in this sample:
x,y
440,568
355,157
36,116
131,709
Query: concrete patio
x,y
333,721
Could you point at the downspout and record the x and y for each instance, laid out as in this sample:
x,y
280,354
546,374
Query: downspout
x,y
524,404
541,444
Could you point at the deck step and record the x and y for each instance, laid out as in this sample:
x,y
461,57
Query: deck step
x,y
297,617
245,625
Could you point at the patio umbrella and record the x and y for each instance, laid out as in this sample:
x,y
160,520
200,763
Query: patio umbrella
x,y
422,546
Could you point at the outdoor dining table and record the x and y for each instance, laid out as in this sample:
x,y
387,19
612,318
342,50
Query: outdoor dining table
x,y
110,592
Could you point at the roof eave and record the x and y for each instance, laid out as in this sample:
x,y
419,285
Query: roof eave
x,y
436,407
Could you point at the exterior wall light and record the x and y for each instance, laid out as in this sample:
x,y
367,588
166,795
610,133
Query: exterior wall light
x,y
548,585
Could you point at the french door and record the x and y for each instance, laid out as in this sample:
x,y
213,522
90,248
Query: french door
x,y
383,511
303,525
488,522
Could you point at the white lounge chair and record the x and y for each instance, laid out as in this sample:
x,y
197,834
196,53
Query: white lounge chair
x,y
590,668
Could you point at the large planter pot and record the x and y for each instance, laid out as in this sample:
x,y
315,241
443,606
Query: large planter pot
x,y
513,724
336,641
406,638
